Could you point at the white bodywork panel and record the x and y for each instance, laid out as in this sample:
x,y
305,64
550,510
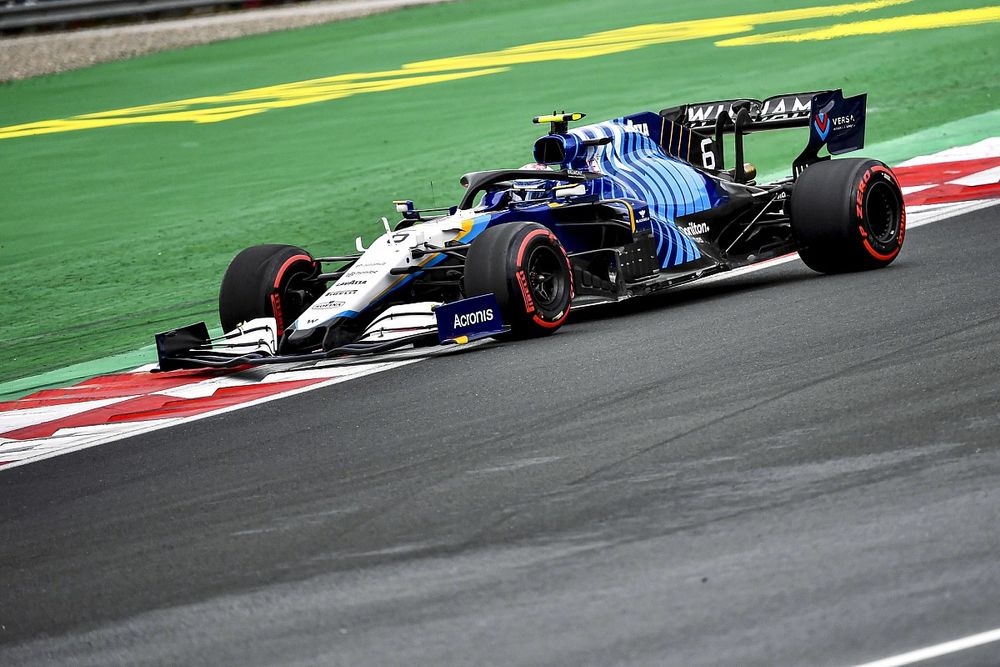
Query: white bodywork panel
x,y
405,319
370,278
260,335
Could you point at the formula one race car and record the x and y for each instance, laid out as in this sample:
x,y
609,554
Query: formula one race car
x,y
606,212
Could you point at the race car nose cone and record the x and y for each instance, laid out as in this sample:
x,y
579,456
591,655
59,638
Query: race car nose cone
x,y
297,334
296,341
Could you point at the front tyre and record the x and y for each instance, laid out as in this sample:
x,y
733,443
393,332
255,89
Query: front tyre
x,y
269,280
848,215
526,267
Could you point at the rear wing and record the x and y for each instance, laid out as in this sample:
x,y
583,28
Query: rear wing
x,y
776,112
833,121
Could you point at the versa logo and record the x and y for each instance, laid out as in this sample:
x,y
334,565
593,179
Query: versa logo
x,y
822,125
844,121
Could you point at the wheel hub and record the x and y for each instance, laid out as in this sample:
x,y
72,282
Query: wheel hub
x,y
882,214
542,271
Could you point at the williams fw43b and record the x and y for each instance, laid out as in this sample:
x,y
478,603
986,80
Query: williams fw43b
x,y
605,212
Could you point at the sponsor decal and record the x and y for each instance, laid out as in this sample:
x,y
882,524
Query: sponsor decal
x,y
279,319
785,108
863,185
356,272
822,124
639,128
771,110
841,123
848,122
469,319
342,282
695,229
529,303
476,317
704,113
328,304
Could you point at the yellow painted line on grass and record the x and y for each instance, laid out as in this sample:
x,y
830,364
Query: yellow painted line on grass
x,y
235,105
955,19
640,36
239,104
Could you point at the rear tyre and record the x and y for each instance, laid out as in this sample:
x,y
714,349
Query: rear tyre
x,y
267,281
848,215
526,267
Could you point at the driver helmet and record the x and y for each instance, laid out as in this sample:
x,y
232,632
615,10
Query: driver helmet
x,y
526,189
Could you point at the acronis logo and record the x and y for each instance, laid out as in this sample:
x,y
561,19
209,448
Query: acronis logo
x,y
822,124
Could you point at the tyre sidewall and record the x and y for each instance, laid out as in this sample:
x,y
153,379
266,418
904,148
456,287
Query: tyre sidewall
x,y
525,242
871,179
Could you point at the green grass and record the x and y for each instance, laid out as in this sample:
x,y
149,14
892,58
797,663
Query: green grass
x,y
109,235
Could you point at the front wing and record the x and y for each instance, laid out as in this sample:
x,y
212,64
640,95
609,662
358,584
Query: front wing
x,y
256,342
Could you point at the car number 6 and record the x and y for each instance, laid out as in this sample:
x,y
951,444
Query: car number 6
x,y
707,154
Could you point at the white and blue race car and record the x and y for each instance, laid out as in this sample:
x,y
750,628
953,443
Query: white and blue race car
x,y
607,211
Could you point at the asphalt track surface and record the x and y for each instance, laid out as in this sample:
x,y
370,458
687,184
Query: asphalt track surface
x,y
781,469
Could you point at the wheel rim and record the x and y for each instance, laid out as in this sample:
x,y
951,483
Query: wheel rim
x,y
882,213
294,293
546,277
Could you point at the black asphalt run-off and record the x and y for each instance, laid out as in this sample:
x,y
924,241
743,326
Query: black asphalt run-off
x,y
781,469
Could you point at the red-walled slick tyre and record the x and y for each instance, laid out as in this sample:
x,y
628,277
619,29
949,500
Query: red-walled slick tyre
x,y
266,281
526,267
848,215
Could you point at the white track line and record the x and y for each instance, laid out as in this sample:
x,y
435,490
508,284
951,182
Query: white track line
x,y
15,419
85,437
918,216
984,148
937,650
988,177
